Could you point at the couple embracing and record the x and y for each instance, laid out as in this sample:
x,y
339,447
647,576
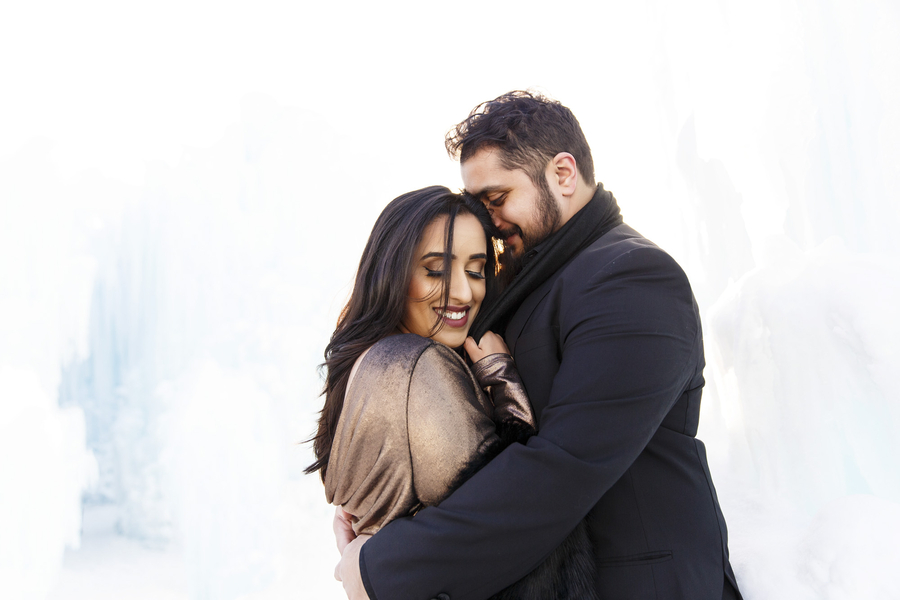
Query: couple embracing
x,y
513,389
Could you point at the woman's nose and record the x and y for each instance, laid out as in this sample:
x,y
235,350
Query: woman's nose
x,y
460,289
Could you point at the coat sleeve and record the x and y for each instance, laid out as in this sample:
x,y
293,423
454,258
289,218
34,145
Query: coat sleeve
x,y
628,336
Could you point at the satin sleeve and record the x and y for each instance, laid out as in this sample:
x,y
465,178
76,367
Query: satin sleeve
x,y
449,422
498,376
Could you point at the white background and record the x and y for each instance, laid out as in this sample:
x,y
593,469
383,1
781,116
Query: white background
x,y
185,188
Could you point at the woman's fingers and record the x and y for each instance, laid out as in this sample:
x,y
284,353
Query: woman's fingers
x,y
347,571
472,349
343,528
491,343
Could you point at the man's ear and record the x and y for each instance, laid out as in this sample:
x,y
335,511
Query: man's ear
x,y
565,173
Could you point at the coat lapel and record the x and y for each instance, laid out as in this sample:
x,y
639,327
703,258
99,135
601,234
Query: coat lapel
x,y
523,314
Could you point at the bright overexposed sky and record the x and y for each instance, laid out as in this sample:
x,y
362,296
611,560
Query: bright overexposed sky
x,y
115,85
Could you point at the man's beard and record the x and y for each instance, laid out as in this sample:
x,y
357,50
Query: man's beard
x,y
547,220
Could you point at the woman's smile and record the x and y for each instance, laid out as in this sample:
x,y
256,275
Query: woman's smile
x,y
454,316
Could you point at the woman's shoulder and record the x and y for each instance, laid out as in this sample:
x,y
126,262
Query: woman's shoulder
x,y
402,343
408,349
395,359
380,377
390,357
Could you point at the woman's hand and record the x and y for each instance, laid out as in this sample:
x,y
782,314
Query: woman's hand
x,y
347,570
343,528
491,343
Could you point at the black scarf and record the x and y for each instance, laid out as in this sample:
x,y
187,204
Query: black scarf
x,y
597,217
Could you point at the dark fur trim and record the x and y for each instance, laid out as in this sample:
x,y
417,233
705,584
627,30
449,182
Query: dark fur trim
x,y
568,572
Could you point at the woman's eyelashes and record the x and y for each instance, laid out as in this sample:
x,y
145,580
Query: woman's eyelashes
x,y
477,274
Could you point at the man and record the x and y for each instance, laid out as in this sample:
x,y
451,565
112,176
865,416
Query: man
x,y
606,335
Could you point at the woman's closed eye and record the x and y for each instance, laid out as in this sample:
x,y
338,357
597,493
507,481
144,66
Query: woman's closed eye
x,y
440,273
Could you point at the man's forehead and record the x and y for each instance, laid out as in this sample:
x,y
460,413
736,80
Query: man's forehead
x,y
483,172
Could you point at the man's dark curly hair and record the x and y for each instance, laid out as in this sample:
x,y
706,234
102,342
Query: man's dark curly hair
x,y
528,128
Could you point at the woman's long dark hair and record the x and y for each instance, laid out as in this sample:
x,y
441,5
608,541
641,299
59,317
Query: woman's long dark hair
x,y
380,292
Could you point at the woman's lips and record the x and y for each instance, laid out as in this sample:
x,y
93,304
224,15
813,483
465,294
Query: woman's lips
x,y
453,316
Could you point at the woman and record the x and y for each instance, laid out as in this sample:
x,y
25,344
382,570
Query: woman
x,y
405,421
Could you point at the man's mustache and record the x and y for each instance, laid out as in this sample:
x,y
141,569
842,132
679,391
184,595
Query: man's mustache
x,y
505,233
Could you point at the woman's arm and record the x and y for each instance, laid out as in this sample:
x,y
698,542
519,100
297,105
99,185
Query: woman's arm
x,y
496,372
448,422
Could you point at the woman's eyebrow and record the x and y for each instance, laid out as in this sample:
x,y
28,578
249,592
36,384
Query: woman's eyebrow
x,y
436,255
453,256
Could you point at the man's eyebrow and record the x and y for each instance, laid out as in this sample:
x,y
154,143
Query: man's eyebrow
x,y
485,191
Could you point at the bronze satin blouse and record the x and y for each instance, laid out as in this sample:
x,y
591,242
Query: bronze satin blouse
x,y
414,416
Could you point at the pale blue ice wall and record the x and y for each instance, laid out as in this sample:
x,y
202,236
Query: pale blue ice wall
x,y
46,273
217,260
180,323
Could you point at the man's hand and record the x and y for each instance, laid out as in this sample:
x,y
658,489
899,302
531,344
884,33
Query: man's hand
x,y
491,343
347,570
343,528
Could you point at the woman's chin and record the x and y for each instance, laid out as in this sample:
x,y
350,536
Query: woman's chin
x,y
453,339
